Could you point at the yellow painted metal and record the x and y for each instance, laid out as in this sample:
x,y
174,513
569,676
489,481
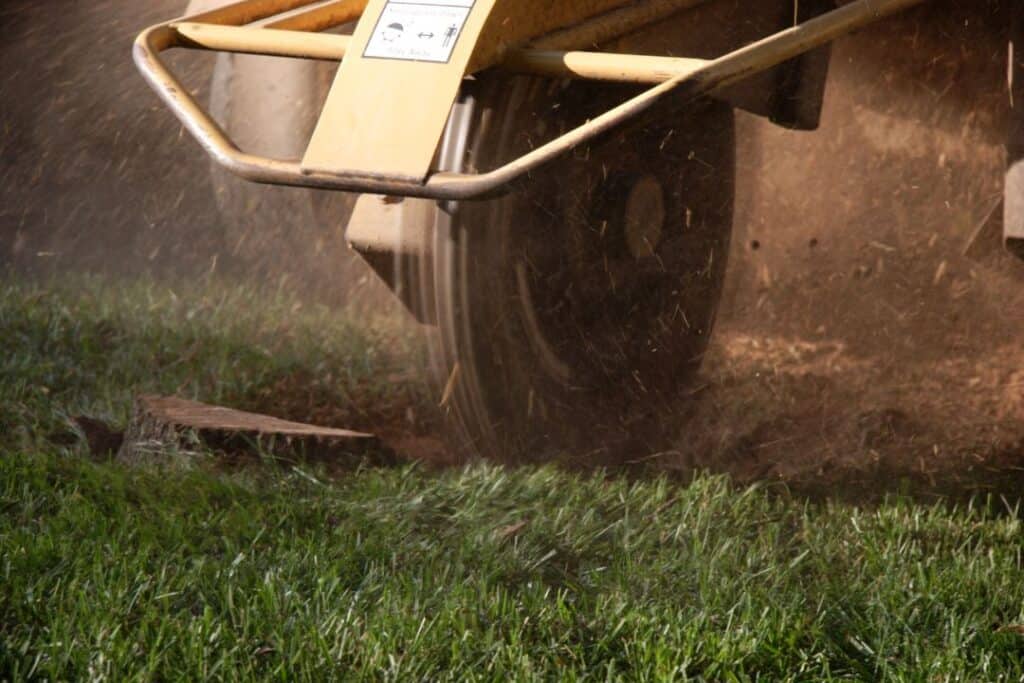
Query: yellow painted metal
x,y
248,11
514,23
263,41
231,37
324,17
597,31
599,66
586,65
689,84
385,116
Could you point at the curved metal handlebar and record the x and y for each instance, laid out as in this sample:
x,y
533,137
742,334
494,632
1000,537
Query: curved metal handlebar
x,y
683,88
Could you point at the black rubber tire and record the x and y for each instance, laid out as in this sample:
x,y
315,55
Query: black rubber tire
x,y
539,358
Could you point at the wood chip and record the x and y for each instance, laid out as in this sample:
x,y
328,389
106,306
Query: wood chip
x,y
512,530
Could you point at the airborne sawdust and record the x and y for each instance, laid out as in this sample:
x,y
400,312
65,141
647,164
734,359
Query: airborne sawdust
x,y
858,344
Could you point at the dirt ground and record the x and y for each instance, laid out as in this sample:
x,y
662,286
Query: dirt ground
x,y
872,334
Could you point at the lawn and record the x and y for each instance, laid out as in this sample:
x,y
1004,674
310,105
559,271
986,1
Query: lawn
x,y
186,570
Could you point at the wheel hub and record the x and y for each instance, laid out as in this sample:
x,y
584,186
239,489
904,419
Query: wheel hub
x,y
644,222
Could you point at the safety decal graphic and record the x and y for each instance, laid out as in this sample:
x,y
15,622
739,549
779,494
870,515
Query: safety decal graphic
x,y
419,30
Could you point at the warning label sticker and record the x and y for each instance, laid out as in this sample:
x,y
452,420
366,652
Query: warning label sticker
x,y
418,30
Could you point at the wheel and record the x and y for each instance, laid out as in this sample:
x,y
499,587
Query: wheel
x,y
573,310
269,106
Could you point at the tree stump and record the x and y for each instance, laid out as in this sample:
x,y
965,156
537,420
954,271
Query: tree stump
x,y
169,426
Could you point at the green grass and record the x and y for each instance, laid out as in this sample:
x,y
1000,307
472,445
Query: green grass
x,y
482,573
86,348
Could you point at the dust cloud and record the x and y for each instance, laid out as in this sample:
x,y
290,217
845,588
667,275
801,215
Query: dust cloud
x,y
872,330
873,327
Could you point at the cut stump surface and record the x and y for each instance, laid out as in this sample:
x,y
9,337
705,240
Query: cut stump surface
x,y
168,424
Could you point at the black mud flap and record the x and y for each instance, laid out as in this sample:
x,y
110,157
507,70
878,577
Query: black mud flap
x,y
800,85
791,94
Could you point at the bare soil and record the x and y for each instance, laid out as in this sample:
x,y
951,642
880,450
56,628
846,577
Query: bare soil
x,y
821,418
872,339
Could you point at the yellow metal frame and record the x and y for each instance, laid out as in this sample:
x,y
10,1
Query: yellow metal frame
x,y
329,47
297,34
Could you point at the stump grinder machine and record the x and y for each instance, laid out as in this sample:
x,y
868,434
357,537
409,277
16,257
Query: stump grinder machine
x,y
547,183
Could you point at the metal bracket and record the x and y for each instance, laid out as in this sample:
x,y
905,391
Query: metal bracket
x,y
679,82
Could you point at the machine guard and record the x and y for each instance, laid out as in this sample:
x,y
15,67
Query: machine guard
x,y
677,81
